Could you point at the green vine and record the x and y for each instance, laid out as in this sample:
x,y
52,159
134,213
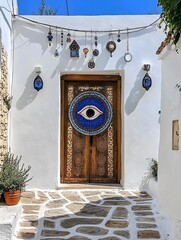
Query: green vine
x,y
171,16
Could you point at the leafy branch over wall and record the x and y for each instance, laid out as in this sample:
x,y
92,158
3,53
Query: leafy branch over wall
x,y
171,17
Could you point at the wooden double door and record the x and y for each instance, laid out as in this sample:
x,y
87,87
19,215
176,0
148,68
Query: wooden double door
x,y
90,158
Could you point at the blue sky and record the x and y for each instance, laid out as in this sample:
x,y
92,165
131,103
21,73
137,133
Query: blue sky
x,y
92,7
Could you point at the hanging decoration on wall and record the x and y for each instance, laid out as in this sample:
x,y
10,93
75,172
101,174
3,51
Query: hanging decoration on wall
x,y
56,53
111,47
91,63
96,38
85,50
68,37
127,56
90,113
119,37
38,83
147,82
62,37
95,52
74,49
50,37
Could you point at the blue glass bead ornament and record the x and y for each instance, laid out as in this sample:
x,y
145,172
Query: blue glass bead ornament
x,y
50,37
38,83
90,113
147,82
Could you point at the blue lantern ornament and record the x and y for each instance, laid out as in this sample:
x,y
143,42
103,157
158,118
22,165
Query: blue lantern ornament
x,y
147,82
38,83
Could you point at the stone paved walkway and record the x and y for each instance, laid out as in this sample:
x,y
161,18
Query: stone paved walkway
x,y
109,214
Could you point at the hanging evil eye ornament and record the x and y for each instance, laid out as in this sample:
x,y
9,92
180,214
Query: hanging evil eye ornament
x,y
111,47
147,82
50,37
91,64
56,53
95,52
61,37
38,83
119,37
127,56
68,37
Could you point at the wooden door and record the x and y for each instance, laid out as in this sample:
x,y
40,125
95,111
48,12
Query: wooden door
x,y
86,157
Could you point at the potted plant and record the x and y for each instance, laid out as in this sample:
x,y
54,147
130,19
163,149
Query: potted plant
x,y
13,178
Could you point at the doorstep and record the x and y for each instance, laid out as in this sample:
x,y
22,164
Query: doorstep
x,y
63,186
8,218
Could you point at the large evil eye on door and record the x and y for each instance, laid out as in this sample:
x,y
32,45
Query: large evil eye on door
x,y
90,113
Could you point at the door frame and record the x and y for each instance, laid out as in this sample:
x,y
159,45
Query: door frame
x,y
92,77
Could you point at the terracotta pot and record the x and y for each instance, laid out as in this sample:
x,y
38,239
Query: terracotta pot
x,y
12,198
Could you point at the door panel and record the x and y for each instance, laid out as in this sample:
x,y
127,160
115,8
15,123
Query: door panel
x,y
90,158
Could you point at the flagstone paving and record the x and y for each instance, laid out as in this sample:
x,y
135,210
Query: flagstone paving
x,y
109,214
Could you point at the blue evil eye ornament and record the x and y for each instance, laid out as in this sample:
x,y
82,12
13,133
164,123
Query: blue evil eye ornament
x,y
147,82
38,83
90,113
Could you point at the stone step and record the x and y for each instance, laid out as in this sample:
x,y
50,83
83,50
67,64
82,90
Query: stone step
x,y
9,216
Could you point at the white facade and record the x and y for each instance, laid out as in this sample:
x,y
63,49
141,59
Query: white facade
x,y
6,11
169,159
35,116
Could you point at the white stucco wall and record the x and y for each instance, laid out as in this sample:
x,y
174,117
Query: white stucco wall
x,y
6,23
35,129
170,160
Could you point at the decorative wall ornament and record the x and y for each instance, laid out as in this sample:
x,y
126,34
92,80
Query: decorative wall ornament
x,y
90,113
111,47
119,37
38,83
68,37
50,37
56,53
74,49
91,63
147,82
62,37
127,56
85,50
96,38
95,52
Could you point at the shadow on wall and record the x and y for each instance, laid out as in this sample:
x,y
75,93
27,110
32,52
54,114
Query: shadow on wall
x,y
29,93
136,94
